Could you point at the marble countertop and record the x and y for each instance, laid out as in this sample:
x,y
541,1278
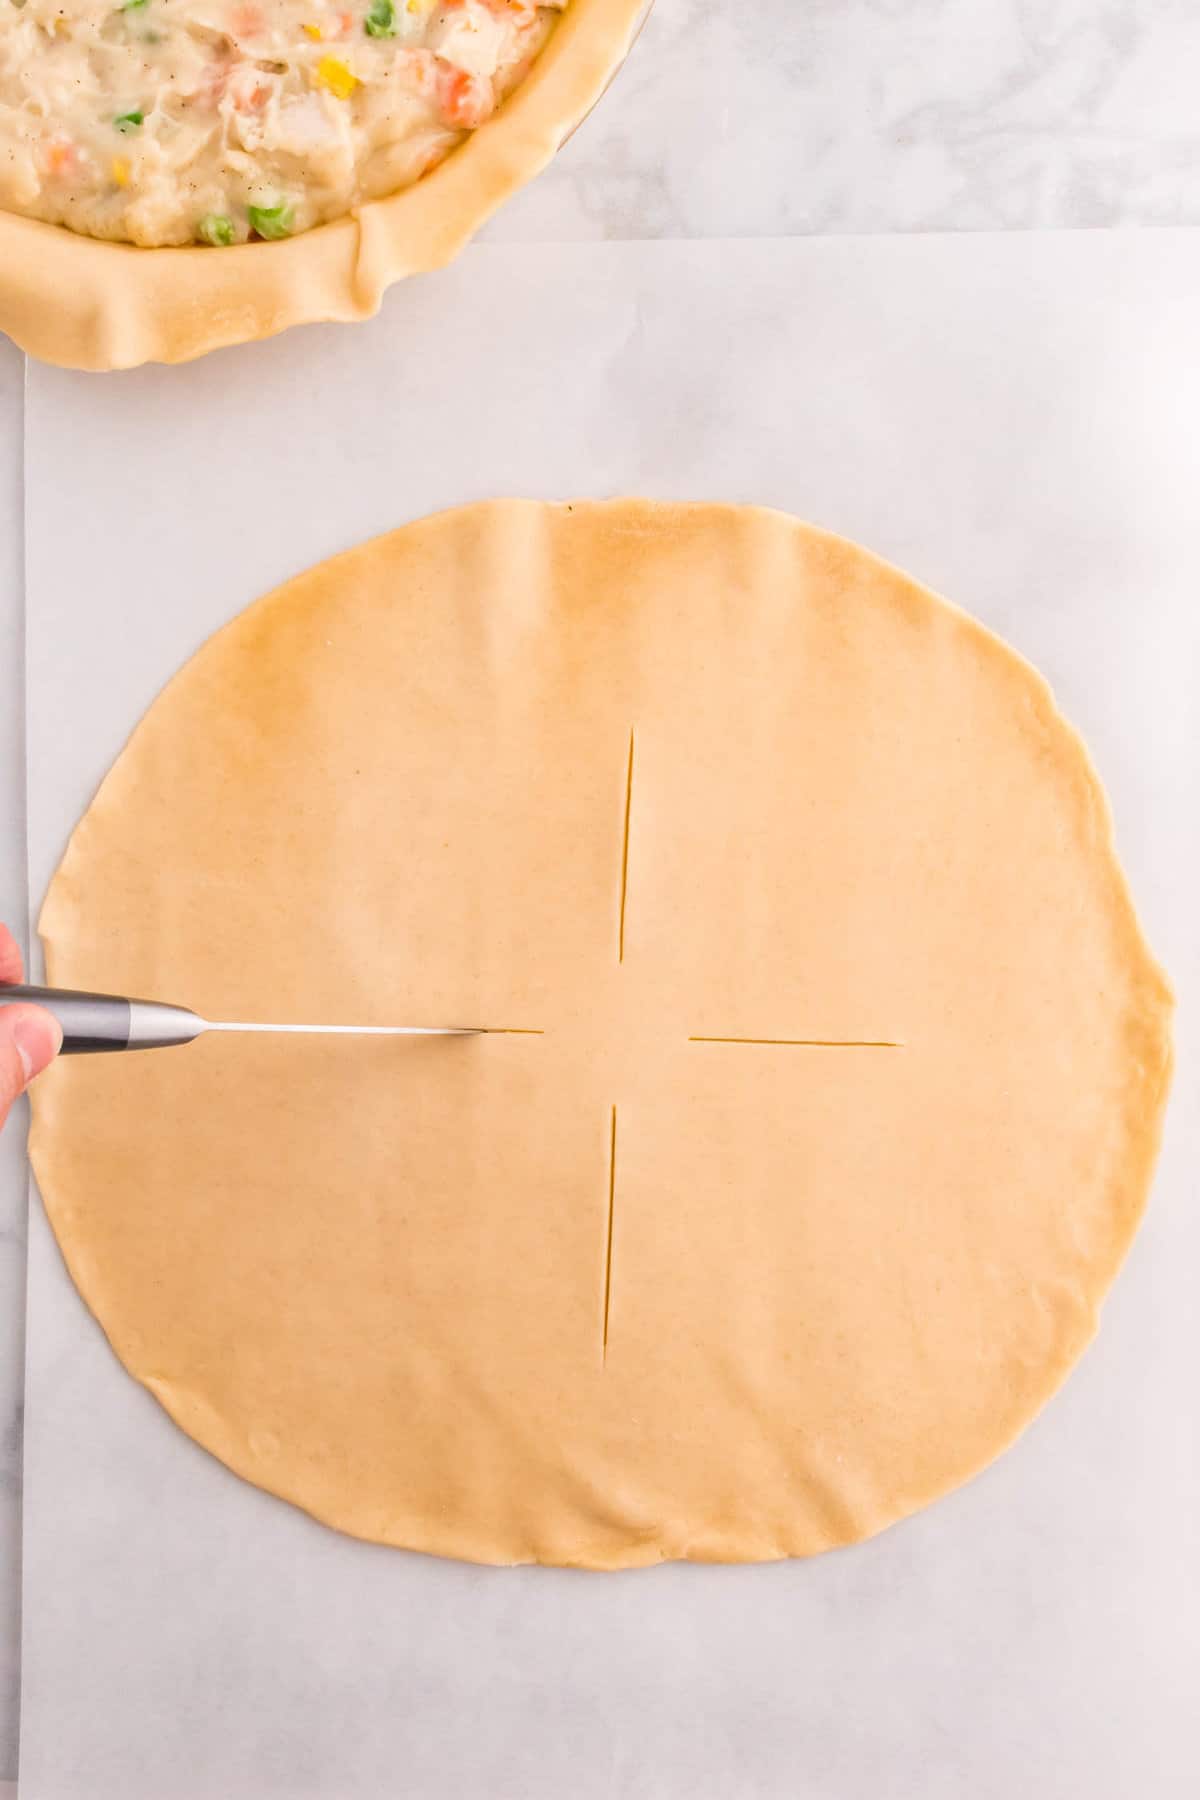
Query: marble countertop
x,y
798,116
779,118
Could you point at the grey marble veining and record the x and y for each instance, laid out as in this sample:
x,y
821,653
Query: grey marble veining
x,y
775,117
751,118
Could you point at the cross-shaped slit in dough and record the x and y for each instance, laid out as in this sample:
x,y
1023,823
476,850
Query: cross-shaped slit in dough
x,y
806,1043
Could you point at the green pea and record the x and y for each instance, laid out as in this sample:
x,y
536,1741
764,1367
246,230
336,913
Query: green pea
x,y
215,228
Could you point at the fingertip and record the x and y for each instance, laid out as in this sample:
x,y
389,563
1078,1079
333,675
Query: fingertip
x,y
11,966
35,1034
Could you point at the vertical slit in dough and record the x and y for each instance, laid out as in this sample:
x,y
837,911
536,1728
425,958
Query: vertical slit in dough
x,y
625,852
612,1194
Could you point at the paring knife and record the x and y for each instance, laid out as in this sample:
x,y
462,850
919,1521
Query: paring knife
x,y
92,1022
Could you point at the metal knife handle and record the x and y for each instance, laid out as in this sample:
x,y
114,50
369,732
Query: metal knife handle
x,y
88,1021
96,1022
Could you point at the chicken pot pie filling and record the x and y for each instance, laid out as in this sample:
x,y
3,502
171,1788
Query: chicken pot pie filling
x,y
217,121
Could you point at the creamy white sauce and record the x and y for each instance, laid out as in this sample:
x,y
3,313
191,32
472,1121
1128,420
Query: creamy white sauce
x,y
177,121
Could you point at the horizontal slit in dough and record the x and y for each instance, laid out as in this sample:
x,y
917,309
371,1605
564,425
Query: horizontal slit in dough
x,y
807,1043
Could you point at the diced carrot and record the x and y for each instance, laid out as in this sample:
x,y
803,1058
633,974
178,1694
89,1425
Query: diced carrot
x,y
246,89
464,100
247,20
62,156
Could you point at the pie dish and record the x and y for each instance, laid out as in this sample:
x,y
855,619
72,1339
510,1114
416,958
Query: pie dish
x,y
825,1063
97,303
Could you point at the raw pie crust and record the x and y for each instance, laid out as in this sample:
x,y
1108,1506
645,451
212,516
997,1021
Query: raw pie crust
x,y
828,1063
88,304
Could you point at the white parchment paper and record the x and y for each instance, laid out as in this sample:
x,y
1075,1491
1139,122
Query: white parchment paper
x,y
1014,420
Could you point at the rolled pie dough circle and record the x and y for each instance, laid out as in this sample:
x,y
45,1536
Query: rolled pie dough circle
x,y
828,1059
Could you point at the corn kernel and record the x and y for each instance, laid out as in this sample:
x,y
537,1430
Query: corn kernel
x,y
314,32
333,74
120,171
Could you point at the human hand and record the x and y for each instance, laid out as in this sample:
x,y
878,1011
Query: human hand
x,y
29,1036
